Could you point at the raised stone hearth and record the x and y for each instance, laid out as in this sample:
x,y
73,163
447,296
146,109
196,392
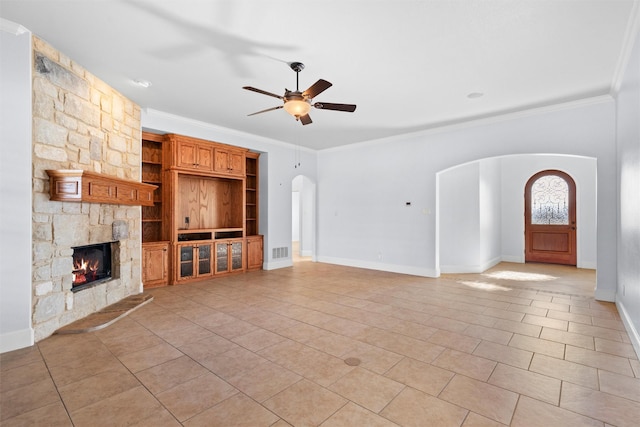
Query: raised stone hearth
x,y
107,315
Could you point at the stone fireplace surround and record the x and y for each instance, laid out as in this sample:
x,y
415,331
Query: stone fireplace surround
x,y
79,123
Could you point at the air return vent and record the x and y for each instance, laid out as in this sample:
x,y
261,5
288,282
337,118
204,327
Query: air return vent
x,y
282,252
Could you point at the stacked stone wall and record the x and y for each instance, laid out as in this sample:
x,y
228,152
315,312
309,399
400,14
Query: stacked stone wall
x,y
79,122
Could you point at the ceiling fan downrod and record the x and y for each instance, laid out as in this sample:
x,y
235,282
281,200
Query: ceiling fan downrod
x,y
297,67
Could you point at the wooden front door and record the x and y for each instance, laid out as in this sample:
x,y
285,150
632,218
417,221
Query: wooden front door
x,y
550,218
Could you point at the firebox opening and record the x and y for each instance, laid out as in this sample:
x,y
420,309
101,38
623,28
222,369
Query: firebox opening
x,y
91,265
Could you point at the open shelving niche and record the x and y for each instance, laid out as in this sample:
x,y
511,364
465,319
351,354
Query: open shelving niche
x,y
152,224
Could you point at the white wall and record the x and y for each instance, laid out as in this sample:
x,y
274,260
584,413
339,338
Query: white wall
x,y
307,217
15,187
295,214
362,217
303,215
279,164
490,213
459,214
628,233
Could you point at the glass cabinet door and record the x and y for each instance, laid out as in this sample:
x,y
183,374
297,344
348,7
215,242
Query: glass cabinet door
x,y
236,256
186,261
204,259
222,257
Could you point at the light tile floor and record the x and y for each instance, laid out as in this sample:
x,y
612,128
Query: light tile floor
x,y
520,345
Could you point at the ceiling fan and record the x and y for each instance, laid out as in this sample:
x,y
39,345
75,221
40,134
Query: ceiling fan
x,y
298,103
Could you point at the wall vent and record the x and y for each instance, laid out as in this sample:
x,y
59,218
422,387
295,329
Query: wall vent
x,y
282,252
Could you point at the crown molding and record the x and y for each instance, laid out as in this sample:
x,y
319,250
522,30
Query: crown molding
x,y
153,115
470,123
12,28
630,38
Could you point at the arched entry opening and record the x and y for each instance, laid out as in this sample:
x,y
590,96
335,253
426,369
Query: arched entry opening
x,y
550,218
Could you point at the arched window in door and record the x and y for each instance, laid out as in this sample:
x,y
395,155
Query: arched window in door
x,y
550,200
550,218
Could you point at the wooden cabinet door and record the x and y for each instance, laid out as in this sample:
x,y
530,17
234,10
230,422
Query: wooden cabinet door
x,y
193,260
229,256
194,156
229,161
205,158
236,163
155,264
236,255
222,257
187,154
254,252
205,259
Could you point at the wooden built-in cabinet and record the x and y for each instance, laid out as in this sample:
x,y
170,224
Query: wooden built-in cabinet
x,y
207,211
189,154
155,264
229,255
255,245
194,260
156,249
229,161
251,194
152,221
254,252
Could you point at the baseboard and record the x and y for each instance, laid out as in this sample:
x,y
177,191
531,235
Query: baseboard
x,y
587,265
16,340
634,336
460,269
605,295
391,268
274,265
516,259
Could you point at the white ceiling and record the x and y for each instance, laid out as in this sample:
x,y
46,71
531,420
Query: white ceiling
x,y
408,65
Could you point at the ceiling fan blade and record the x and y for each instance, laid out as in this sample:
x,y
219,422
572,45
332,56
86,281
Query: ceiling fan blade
x,y
264,111
350,108
306,119
264,92
316,89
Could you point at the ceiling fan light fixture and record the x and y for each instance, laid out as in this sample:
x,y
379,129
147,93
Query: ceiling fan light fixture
x,y
297,107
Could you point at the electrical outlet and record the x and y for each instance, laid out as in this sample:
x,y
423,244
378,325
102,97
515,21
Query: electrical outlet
x,y
186,220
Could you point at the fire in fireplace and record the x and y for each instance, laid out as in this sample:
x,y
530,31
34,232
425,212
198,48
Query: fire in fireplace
x,y
91,265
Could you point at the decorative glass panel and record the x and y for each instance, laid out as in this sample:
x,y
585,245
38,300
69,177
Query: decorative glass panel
x,y
204,259
236,256
222,260
186,261
550,201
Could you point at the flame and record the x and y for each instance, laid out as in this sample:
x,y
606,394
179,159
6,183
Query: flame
x,y
83,269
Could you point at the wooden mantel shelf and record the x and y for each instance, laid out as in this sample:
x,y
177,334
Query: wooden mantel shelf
x,y
70,185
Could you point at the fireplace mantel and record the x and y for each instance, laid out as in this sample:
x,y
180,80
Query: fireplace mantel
x,y
71,185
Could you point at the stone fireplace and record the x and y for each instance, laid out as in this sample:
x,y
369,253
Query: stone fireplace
x,y
80,123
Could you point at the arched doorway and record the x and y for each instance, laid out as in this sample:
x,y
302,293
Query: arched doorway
x,y
550,218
